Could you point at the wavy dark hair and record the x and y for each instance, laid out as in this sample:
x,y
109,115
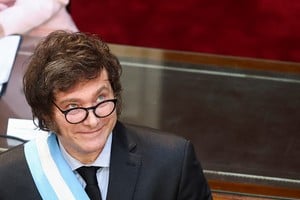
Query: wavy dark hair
x,y
59,62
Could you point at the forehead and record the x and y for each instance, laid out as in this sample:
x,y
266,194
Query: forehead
x,y
86,88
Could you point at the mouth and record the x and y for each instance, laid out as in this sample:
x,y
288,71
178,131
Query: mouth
x,y
89,132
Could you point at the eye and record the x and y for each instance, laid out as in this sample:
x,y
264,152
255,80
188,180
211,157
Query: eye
x,y
100,98
72,105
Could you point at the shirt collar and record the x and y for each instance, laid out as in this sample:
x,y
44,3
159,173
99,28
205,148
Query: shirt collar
x,y
103,160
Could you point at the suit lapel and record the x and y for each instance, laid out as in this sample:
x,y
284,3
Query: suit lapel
x,y
124,165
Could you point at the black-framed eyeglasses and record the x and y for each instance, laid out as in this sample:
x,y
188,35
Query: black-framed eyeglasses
x,y
79,114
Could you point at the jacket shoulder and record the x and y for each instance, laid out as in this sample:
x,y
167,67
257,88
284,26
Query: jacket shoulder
x,y
16,180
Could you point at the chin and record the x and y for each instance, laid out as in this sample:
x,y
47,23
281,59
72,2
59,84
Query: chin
x,y
94,145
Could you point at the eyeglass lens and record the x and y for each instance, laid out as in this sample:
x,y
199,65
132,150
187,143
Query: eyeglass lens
x,y
103,109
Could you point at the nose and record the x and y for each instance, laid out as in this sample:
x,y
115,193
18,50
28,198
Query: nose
x,y
92,120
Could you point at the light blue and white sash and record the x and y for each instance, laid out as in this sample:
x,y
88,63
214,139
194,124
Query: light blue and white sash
x,y
52,175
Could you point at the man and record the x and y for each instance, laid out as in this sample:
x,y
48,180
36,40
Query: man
x,y
73,87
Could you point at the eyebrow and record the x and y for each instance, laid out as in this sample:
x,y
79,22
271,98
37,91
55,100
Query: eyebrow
x,y
101,89
96,93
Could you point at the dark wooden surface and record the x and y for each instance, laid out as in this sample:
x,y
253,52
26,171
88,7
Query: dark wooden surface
x,y
241,114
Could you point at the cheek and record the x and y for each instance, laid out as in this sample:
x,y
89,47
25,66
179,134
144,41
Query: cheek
x,y
109,119
112,120
59,123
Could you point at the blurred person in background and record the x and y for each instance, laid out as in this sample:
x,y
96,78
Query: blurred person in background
x,y
34,18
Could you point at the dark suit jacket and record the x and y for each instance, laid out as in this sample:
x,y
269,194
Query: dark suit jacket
x,y
145,165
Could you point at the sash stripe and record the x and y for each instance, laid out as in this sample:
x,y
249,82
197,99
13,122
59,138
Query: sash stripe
x,y
52,176
34,164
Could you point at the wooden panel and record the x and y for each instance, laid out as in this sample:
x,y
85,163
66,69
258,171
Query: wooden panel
x,y
220,196
252,189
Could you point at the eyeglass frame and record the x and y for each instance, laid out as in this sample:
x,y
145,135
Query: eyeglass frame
x,y
65,112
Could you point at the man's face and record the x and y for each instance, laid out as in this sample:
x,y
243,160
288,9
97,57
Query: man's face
x,y
85,141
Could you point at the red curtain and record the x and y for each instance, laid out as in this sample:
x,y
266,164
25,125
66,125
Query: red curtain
x,y
268,29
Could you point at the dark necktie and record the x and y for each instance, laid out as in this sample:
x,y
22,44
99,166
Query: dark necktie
x,y
91,188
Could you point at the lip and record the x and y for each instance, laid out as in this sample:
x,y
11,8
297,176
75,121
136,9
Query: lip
x,y
91,131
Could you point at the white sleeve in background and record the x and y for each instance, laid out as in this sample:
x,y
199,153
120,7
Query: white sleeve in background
x,y
28,14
